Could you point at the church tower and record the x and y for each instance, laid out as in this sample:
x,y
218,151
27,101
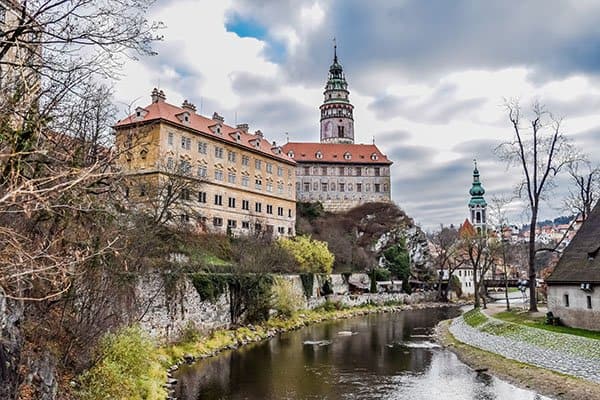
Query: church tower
x,y
337,121
477,204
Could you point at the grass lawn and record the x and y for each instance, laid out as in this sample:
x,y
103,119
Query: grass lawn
x,y
523,318
474,317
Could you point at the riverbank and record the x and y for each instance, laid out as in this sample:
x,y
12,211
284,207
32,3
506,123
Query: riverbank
x,y
550,383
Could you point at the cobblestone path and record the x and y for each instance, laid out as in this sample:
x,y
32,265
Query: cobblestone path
x,y
568,354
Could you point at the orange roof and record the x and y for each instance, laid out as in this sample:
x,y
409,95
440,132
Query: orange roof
x,y
161,110
467,230
335,153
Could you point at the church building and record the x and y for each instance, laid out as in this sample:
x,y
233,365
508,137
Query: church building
x,y
335,171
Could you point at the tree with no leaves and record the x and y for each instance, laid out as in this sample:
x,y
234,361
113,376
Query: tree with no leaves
x,y
540,150
586,180
446,255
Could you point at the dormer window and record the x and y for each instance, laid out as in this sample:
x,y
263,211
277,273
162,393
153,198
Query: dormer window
x,y
347,156
319,155
374,157
236,136
218,130
140,112
290,154
184,117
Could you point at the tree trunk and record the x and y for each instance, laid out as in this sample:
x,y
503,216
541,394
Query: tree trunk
x,y
532,281
476,287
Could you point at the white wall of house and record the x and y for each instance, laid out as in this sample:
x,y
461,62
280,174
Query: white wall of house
x,y
575,307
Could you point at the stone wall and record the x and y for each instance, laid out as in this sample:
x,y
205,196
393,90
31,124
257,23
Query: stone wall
x,y
577,314
165,313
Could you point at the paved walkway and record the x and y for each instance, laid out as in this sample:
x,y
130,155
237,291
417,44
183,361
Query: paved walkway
x,y
568,354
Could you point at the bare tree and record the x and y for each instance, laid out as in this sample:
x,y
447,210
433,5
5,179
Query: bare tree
x,y
446,256
540,150
479,252
586,180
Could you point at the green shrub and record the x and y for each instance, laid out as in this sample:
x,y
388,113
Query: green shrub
x,y
285,299
128,369
382,274
330,306
210,286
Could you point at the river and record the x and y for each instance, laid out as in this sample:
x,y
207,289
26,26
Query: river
x,y
379,356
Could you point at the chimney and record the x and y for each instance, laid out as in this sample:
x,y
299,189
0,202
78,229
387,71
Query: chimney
x,y
259,134
274,143
242,127
154,95
188,106
217,117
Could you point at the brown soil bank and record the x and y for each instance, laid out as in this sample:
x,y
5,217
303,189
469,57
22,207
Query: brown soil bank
x,y
546,382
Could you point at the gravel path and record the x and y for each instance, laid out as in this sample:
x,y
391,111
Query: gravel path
x,y
568,354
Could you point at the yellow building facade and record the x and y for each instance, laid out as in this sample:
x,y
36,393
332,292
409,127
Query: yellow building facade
x,y
199,171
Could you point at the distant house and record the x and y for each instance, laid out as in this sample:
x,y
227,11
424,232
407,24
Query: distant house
x,y
574,286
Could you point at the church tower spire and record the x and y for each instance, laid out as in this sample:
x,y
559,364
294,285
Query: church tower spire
x,y
477,204
337,120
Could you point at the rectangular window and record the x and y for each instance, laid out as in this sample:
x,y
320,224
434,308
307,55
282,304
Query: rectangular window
x,y
202,171
218,200
202,147
219,175
245,161
359,187
218,152
342,171
217,221
349,187
258,207
257,164
385,187
185,194
368,187
280,211
333,187
566,299
231,156
269,168
589,302
170,138
231,177
202,197
306,170
142,190
257,227
170,163
307,186
280,187
245,225
258,183
231,223
289,213
185,167
184,218
186,143
281,230
269,209
358,171
377,187
377,171
2,14
232,202
342,187
324,187
324,171
315,186
279,171
269,187
245,205
245,181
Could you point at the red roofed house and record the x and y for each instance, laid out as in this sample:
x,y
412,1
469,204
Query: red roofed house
x,y
336,172
237,181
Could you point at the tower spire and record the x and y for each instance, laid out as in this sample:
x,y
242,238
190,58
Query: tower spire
x,y
477,204
335,60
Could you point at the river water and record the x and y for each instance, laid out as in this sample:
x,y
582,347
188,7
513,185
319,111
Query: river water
x,y
380,356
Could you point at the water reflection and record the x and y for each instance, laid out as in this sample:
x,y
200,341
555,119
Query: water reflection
x,y
390,357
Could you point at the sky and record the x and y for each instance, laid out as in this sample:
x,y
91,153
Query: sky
x,y
428,79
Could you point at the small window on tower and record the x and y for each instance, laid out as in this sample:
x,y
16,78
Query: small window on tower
x,y
340,131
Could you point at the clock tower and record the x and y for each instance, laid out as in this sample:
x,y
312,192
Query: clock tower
x,y
337,121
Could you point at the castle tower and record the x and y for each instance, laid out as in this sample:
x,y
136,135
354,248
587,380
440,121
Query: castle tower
x,y
477,204
337,121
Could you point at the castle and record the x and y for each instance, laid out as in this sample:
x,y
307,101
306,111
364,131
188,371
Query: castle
x,y
335,171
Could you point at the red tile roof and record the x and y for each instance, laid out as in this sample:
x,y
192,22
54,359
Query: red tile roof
x,y
162,110
336,153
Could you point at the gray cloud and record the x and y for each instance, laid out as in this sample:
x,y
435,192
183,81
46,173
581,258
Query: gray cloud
x,y
244,84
